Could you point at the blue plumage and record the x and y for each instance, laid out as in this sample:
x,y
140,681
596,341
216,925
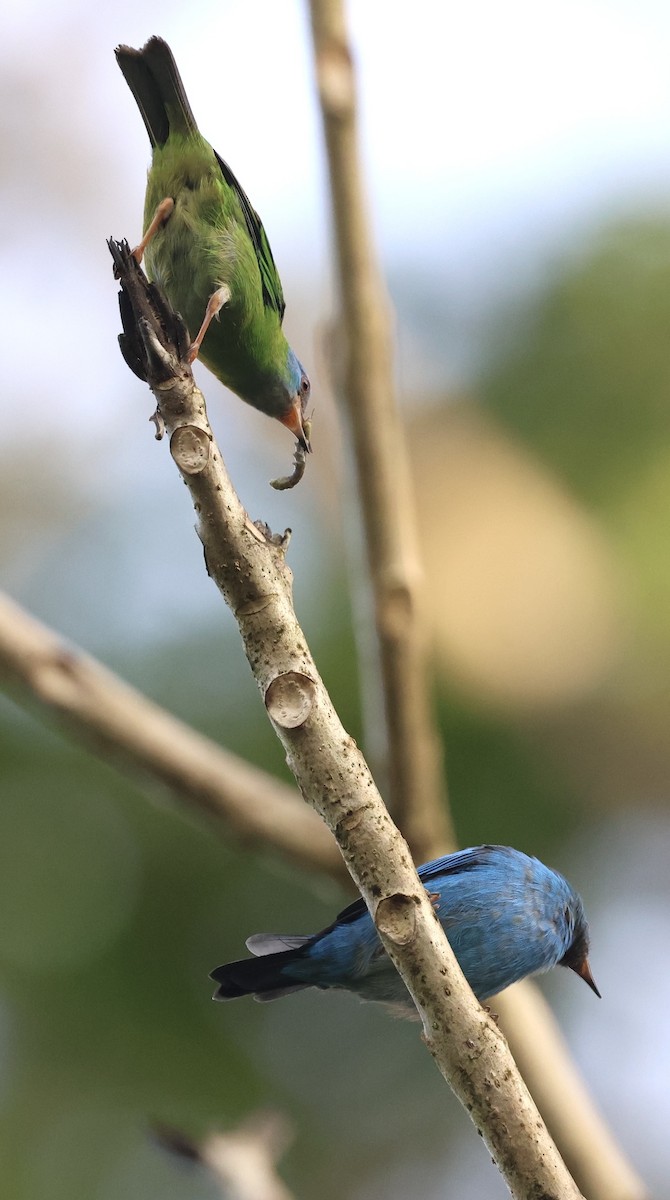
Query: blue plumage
x,y
506,916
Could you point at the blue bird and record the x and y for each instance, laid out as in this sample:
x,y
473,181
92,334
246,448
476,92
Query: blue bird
x,y
506,916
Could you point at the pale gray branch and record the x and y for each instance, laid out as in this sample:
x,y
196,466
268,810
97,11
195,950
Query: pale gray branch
x,y
412,767
367,389
544,1060
242,1161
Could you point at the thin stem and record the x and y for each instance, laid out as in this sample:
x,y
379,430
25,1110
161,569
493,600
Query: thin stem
x,y
587,1145
242,1162
124,727
417,802
412,758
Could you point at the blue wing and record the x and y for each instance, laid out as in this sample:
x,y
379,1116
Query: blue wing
x,y
449,864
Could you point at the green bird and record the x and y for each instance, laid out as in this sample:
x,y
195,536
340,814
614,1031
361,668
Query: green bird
x,y
207,249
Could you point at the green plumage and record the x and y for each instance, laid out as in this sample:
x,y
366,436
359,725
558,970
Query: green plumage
x,y
213,240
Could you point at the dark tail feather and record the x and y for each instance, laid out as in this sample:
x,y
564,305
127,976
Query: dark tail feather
x,y
152,76
262,978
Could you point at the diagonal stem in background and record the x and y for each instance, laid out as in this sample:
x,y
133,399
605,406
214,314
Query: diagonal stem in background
x,y
412,758
240,1162
125,728
415,789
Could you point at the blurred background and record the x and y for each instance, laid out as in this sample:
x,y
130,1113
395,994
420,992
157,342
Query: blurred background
x,y
519,169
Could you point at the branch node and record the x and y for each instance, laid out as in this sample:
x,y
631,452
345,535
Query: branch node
x,y
190,448
335,78
257,604
289,699
396,610
350,822
157,419
395,918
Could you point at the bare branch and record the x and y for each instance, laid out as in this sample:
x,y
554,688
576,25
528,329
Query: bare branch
x,y
412,751
368,391
251,573
544,1060
125,728
241,1160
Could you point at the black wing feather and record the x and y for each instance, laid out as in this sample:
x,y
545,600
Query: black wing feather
x,y
273,296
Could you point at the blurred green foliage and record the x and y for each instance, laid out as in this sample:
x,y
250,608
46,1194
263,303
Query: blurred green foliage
x,y
584,380
586,377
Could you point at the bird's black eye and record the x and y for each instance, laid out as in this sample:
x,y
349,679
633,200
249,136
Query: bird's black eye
x,y
304,385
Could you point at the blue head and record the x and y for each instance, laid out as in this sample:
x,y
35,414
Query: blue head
x,y
576,938
299,390
507,916
293,399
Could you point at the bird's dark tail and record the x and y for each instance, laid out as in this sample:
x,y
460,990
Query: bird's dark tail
x,y
264,977
152,76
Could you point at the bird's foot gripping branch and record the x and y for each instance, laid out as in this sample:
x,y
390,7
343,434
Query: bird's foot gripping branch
x,y
155,343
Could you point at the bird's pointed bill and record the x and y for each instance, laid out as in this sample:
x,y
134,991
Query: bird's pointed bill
x,y
293,420
584,971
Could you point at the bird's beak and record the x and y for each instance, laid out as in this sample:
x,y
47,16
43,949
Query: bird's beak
x,y
584,971
293,420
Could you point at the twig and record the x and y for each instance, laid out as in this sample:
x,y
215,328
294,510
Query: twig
x,y
586,1143
243,1160
253,577
390,524
123,726
412,753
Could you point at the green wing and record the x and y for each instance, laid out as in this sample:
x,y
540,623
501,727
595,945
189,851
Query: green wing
x,y
273,297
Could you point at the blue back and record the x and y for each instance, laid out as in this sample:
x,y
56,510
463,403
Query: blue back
x,y
506,916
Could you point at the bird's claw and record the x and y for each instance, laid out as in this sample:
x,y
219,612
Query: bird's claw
x,y
280,540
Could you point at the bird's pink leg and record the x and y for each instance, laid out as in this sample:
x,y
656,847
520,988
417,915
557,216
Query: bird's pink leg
x,y
162,214
214,306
